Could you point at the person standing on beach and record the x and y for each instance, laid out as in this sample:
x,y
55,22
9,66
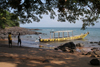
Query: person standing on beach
x,y
10,39
19,39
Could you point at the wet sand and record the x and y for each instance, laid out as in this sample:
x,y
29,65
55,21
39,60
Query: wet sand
x,y
37,57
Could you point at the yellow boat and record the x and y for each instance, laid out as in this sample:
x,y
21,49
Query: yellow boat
x,y
82,36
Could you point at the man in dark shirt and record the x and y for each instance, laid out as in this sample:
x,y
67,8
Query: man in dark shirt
x,y
19,39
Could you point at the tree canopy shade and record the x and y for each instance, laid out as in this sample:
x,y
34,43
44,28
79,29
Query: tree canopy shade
x,y
69,10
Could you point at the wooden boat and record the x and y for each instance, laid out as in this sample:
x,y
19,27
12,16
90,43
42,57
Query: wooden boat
x,y
81,36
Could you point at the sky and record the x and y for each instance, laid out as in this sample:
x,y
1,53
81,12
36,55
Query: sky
x,y
47,22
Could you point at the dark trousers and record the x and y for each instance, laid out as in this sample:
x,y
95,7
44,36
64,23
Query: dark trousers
x,y
10,43
19,41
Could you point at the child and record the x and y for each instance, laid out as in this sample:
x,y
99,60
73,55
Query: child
x,y
10,39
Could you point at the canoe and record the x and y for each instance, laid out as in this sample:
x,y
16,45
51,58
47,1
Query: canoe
x,y
81,36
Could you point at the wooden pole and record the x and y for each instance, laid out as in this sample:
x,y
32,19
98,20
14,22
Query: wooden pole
x,y
68,34
50,34
72,33
63,34
53,35
58,34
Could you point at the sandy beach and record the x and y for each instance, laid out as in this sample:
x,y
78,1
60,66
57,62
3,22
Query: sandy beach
x,y
37,57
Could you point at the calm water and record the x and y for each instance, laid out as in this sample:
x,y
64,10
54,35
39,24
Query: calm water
x,y
32,40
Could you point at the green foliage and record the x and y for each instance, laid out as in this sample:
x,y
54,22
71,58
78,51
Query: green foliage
x,y
3,26
7,21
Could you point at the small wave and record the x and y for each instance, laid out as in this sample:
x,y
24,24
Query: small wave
x,y
36,40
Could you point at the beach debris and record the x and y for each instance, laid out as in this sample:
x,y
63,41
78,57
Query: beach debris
x,y
94,48
91,42
95,62
99,43
95,52
83,53
88,53
46,46
67,46
92,55
55,48
79,45
71,51
41,46
98,55
95,42
46,61
78,50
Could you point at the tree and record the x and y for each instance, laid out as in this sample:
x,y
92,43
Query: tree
x,y
8,19
71,10
2,18
11,19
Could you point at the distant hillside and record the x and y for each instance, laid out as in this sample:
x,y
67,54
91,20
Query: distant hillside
x,y
8,19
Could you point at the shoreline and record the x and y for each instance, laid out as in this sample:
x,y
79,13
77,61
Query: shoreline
x,y
38,57
85,48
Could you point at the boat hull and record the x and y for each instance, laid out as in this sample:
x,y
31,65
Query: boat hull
x,y
82,36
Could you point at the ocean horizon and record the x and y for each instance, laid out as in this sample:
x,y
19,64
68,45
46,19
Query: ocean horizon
x,y
60,27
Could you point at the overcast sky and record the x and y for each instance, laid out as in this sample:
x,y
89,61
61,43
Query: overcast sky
x,y
47,22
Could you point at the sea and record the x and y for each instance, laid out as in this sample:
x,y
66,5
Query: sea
x,y
33,40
